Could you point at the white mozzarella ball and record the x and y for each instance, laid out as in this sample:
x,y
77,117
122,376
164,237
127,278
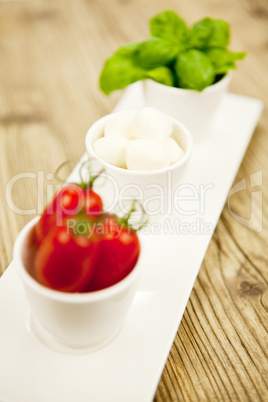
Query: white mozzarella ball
x,y
150,124
119,126
146,155
174,150
112,150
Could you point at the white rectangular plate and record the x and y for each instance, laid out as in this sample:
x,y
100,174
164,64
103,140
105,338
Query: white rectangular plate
x,y
129,368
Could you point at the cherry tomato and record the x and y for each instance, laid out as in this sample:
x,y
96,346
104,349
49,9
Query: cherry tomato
x,y
70,200
67,258
119,252
92,202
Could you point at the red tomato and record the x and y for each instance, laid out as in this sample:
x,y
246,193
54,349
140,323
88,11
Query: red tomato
x,y
92,202
119,252
66,260
69,200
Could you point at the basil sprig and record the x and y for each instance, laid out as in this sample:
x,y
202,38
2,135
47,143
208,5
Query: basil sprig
x,y
175,55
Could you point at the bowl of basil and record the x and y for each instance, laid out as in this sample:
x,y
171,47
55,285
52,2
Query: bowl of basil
x,y
185,70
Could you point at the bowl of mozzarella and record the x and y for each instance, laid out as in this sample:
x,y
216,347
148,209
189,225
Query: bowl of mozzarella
x,y
143,152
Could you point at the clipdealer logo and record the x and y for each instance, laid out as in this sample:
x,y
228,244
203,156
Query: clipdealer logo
x,y
255,220
186,199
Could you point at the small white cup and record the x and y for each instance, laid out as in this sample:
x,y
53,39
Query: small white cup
x,y
74,320
196,110
124,184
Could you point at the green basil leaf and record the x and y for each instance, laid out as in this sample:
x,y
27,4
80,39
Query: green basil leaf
x,y
222,59
128,50
168,25
194,70
121,69
155,52
209,32
163,75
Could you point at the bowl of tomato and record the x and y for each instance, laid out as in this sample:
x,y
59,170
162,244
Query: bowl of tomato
x,y
80,270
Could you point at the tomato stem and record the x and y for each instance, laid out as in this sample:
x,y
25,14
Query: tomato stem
x,y
125,219
92,178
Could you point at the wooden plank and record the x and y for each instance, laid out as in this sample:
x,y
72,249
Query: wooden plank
x,y
51,55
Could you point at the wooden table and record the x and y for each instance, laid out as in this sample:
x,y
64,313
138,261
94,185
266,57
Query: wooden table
x,y
51,54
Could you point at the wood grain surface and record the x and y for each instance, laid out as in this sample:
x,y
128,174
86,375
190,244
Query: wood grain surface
x,y
51,55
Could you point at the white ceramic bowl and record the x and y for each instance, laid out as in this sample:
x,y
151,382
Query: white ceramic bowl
x,y
196,110
142,185
76,320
